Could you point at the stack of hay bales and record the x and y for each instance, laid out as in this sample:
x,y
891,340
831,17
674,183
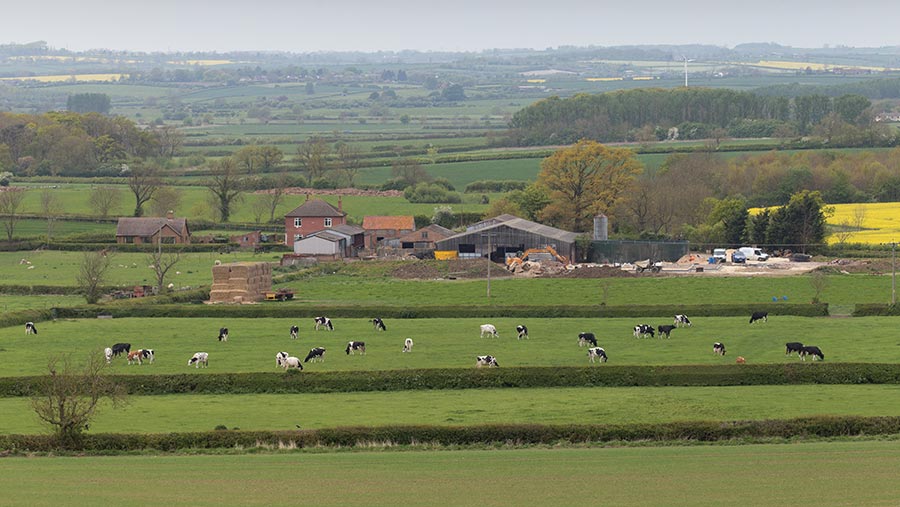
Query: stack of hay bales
x,y
240,282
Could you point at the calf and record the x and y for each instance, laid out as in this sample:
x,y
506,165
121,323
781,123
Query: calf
x,y
223,334
280,357
29,328
378,324
595,353
121,348
324,322
107,353
135,357
522,331
315,354
719,348
199,358
763,316
682,320
147,354
489,361
356,346
295,332
585,338
642,330
792,347
489,329
665,330
291,362
407,345
813,351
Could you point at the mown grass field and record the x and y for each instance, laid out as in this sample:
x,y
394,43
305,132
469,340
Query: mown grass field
x,y
596,405
442,343
834,474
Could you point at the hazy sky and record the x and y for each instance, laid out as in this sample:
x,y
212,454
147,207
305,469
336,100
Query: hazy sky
x,y
369,25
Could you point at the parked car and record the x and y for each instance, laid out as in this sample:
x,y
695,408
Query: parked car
x,y
720,255
800,257
738,257
754,254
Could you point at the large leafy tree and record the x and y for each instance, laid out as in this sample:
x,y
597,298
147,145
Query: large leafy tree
x,y
800,223
586,179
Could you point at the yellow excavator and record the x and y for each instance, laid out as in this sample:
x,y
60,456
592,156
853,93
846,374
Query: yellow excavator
x,y
524,255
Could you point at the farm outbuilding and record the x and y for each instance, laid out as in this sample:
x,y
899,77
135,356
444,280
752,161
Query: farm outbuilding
x,y
507,234
323,243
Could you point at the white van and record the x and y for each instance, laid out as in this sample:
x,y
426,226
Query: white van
x,y
720,254
754,254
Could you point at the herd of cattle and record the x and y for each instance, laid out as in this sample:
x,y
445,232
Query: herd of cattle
x,y
595,352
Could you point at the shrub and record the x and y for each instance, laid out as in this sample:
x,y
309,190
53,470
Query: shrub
x,y
430,193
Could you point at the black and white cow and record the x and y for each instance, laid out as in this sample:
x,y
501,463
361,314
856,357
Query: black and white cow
x,y
595,353
719,348
489,329
522,331
407,345
29,328
315,354
763,316
812,350
223,334
587,338
121,348
489,361
199,358
280,357
295,332
291,362
148,355
378,324
682,320
356,347
324,322
791,347
665,330
643,330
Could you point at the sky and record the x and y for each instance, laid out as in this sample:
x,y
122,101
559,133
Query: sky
x,y
449,25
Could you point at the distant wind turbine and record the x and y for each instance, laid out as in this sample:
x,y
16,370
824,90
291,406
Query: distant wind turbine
x,y
685,70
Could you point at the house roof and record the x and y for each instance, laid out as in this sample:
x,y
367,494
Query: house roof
x,y
350,230
524,225
389,222
148,226
315,208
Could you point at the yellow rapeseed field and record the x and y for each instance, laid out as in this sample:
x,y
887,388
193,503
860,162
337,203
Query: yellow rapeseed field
x,y
783,65
881,221
67,77
200,62
592,79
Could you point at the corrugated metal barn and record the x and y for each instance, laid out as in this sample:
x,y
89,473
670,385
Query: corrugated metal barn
x,y
508,234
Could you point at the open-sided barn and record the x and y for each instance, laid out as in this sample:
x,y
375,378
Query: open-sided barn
x,y
508,234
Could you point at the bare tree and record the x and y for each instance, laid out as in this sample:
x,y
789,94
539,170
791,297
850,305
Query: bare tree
x,y
103,199
162,262
859,217
67,398
168,140
313,158
92,274
819,282
51,209
349,162
10,202
843,231
165,199
226,187
144,181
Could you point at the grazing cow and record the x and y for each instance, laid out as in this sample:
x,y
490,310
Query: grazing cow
x,y
199,358
107,352
719,348
682,320
813,351
29,328
315,354
223,334
489,361
489,329
292,362
136,356
121,348
407,345
522,331
642,330
324,322
665,330
356,346
791,347
741,360
147,354
763,316
379,324
295,332
280,357
585,338
595,353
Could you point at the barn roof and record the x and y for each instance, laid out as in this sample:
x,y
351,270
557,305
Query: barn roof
x,y
326,236
148,226
527,226
401,222
350,230
315,208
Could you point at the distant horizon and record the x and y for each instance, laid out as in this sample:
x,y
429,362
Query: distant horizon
x,y
463,26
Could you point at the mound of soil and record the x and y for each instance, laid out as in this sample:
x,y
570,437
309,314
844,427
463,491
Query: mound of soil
x,y
457,268
596,272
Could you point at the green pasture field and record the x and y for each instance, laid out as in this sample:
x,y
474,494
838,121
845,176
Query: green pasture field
x,y
36,227
584,405
461,174
833,474
59,268
10,303
442,343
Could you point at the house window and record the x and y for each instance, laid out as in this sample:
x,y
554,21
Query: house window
x,y
168,240
298,237
129,239
424,234
327,222
298,222
146,239
407,245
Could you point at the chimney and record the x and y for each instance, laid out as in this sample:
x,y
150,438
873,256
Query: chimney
x,y
170,215
340,203
601,228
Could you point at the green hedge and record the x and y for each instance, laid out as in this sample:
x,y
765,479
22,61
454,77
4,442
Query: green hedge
x,y
491,434
471,378
876,310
